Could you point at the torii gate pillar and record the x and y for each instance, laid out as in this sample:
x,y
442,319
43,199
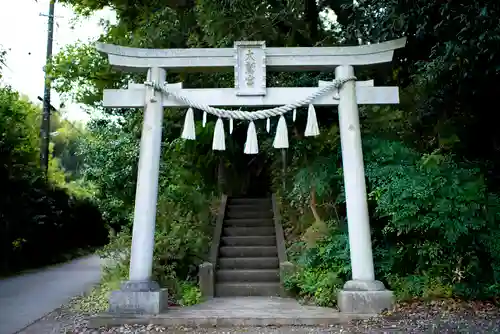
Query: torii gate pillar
x,y
362,294
140,294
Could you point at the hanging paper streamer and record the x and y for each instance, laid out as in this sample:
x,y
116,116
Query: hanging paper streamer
x,y
219,142
189,131
204,118
281,138
312,128
251,145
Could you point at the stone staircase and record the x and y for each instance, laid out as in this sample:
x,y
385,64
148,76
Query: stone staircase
x,y
247,263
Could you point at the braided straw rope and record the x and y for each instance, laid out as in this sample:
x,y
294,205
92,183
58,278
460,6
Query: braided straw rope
x,y
251,115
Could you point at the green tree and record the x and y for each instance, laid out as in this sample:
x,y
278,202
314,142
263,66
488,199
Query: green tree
x,y
66,138
452,60
2,59
40,223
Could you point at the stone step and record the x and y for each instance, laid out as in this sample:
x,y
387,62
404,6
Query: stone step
x,y
252,275
246,289
248,251
248,231
248,263
250,207
248,214
248,201
249,241
249,210
248,222
281,315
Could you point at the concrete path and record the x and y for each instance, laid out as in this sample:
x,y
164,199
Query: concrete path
x,y
28,297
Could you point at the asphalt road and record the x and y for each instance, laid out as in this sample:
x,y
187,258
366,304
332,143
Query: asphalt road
x,y
28,297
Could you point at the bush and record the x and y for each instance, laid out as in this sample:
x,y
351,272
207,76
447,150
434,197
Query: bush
x,y
433,223
182,241
191,294
322,269
40,223
434,230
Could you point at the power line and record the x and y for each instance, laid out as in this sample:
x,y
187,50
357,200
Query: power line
x,y
53,109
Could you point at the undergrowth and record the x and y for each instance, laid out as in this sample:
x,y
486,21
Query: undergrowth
x,y
181,244
434,230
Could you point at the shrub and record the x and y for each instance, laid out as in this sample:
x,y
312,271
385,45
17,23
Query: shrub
x,y
181,243
432,223
434,230
40,222
322,269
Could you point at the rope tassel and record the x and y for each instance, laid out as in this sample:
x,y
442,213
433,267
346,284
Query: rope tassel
x,y
204,118
231,126
189,130
268,125
219,142
281,138
251,145
312,128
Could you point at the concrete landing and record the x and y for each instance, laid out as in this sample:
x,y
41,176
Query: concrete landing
x,y
235,312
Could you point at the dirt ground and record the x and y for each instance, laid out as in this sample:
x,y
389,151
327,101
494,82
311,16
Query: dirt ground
x,y
447,316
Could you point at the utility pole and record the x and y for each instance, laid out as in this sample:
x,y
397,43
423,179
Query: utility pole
x,y
45,125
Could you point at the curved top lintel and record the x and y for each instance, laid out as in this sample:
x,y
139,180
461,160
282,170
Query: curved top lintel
x,y
292,58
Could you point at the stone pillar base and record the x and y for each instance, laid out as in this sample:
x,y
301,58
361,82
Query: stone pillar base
x,y
365,297
286,268
142,297
206,280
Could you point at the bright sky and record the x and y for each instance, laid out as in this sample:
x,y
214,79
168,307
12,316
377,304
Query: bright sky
x,y
23,32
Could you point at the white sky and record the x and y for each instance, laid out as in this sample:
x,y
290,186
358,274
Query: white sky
x,y
23,32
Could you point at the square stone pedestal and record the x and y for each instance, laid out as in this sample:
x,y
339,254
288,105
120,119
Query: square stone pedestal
x,y
138,298
206,280
365,297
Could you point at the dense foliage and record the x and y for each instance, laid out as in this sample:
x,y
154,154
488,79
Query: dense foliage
x,y
434,226
430,162
452,58
41,221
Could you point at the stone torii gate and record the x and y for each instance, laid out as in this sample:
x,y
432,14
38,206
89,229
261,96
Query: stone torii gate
x,y
250,61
